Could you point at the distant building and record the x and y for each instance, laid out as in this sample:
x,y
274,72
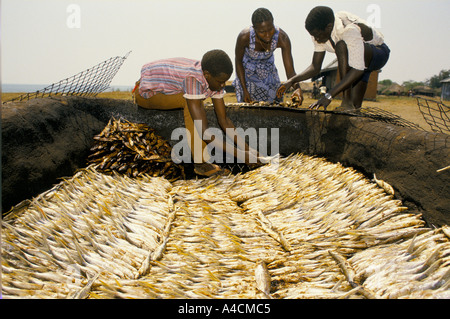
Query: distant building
x,y
393,89
445,93
423,90
331,77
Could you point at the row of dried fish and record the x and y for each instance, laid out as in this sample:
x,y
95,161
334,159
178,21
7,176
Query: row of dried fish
x,y
133,149
299,227
91,226
415,268
289,103
317,270
310,207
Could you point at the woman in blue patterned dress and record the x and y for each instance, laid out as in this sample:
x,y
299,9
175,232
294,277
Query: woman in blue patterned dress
x,y
256,74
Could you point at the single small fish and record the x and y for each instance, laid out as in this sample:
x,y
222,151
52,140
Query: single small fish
x,y
262,278
387,188
345,268
84,292
446,230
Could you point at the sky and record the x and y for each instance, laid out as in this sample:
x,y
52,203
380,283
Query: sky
x,y
45,41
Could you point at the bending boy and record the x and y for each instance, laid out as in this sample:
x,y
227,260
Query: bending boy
x,y
359,49
185,83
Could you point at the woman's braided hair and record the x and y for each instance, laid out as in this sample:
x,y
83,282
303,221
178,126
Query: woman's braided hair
x,y
261,15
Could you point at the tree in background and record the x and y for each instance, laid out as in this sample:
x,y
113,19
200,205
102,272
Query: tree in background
x,y
409,85
386,82
435,81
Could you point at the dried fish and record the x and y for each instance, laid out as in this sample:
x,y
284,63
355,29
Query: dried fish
x,y
133,149
84,292
323,230
387,188
262,278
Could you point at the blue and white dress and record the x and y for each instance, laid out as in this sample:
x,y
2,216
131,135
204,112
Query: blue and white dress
x,y
261,75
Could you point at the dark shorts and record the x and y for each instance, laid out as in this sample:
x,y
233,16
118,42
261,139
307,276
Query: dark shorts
x,y
380,57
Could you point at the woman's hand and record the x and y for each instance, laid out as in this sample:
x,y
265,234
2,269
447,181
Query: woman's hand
x,y
283,89
247,97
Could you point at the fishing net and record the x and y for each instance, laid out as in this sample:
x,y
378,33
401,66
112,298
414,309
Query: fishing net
x,y
387,117
373,113
89,82
436,114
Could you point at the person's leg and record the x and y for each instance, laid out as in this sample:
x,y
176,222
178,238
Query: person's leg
x,y
352,97
175,101
159,101
358,92
343,67
359,88
198,149
196,143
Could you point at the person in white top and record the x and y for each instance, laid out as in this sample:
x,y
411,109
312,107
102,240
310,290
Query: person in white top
x,y
359,49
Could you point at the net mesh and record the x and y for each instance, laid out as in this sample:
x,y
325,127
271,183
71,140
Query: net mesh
x,y
387,117
436,114
373,113
89,82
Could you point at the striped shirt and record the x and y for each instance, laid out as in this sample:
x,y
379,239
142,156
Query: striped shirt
x,y
174,76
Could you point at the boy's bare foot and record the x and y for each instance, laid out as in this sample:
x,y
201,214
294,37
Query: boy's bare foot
x,y
345,106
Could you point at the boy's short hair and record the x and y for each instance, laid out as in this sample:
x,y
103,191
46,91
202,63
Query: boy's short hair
x,y
261,15
217,62
318,18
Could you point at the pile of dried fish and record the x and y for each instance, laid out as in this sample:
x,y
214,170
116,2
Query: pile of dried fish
x,y
300,227
133,149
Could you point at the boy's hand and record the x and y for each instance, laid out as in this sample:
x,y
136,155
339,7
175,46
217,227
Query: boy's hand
x,y
297,97
323,101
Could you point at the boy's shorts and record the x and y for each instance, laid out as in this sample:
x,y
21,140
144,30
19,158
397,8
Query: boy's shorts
x,y
379,58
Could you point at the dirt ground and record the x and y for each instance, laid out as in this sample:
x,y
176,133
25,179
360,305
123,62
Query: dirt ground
x,y
405,107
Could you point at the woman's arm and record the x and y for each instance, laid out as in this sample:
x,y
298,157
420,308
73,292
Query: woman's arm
x,y
286,52
241,43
